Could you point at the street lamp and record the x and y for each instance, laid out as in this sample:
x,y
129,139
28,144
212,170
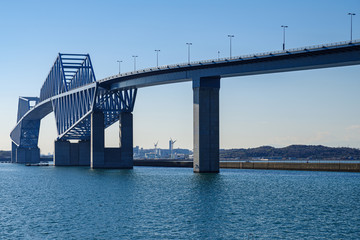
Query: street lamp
x,y
283,26
119,65
218,55
189,44
351,15
157,57
230,36
134,56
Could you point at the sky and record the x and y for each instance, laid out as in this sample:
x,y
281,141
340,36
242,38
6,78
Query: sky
x,y
305,107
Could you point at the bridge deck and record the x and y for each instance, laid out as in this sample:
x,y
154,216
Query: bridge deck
x,y
314,57
304,58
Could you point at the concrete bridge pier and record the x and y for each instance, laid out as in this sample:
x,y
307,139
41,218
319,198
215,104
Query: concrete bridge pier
x,y
101,157
206,124
13,152
24,154
72,154
126,139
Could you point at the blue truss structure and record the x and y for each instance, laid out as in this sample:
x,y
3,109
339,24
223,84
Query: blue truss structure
x,y
73,93
69,71
73,110
26,133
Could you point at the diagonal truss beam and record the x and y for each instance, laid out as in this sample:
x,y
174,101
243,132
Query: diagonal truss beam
x,y
72,109
69,71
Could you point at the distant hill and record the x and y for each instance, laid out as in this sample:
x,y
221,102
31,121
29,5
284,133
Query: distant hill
x,y
289,152
293,151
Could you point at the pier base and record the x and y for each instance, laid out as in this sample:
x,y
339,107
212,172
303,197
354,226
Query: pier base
x,y
72,154
120,158
26,155
206,124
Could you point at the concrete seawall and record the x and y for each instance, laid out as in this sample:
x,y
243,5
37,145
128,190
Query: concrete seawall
x,y
163,163
338,167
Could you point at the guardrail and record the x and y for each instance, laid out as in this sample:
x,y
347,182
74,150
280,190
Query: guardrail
x,y
236,58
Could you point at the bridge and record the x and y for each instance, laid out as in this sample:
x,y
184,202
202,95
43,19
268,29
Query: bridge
x,y
84,107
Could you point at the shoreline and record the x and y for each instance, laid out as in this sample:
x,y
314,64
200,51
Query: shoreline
x,y
334,167
265,165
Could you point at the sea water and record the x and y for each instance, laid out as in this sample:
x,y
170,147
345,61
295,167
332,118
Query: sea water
x,y
174,203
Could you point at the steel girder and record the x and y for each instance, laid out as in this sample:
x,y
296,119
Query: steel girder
x,y
27,132
74,94
72,109
69,71
113,102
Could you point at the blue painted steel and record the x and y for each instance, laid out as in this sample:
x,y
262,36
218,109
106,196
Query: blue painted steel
x,y
27,133
71,110
74,93
304,58
25,104
113,102
69,71
75,107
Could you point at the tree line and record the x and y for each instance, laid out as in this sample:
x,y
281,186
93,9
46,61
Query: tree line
x,y
293,151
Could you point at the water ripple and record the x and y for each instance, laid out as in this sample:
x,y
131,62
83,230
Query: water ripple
x,y
170,203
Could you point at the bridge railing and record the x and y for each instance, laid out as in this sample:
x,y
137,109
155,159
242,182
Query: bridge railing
x,y
68,72
237,58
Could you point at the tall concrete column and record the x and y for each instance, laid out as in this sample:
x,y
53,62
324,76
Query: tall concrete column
x,y
13,152
62,153
126,139
84,153
206,124
97,142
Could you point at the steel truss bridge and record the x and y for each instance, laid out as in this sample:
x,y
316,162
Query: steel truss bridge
x,y
84,107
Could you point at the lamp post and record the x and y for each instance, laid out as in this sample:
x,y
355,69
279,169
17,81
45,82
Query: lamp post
x,y
157,57
119,65
218,55
283,26
351,15
134,56
189,44
231,36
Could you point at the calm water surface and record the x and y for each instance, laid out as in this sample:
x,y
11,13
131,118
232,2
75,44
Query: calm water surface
x,y
175,203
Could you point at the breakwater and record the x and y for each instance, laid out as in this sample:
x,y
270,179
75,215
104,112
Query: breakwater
x,y
337,167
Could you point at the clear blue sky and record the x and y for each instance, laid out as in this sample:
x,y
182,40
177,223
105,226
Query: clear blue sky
x,y
309,107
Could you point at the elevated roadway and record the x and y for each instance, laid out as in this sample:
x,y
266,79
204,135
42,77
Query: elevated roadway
x,y
78,104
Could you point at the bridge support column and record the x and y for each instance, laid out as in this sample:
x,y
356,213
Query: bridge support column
x,y
120,158
27,155
62,153
97,142
84,153
126,139
206,124
13,152
72,154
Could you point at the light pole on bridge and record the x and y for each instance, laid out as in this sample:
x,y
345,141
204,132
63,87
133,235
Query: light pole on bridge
x,y
284,26
231,36
351,15
157,57
189,44
119,61
134,56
